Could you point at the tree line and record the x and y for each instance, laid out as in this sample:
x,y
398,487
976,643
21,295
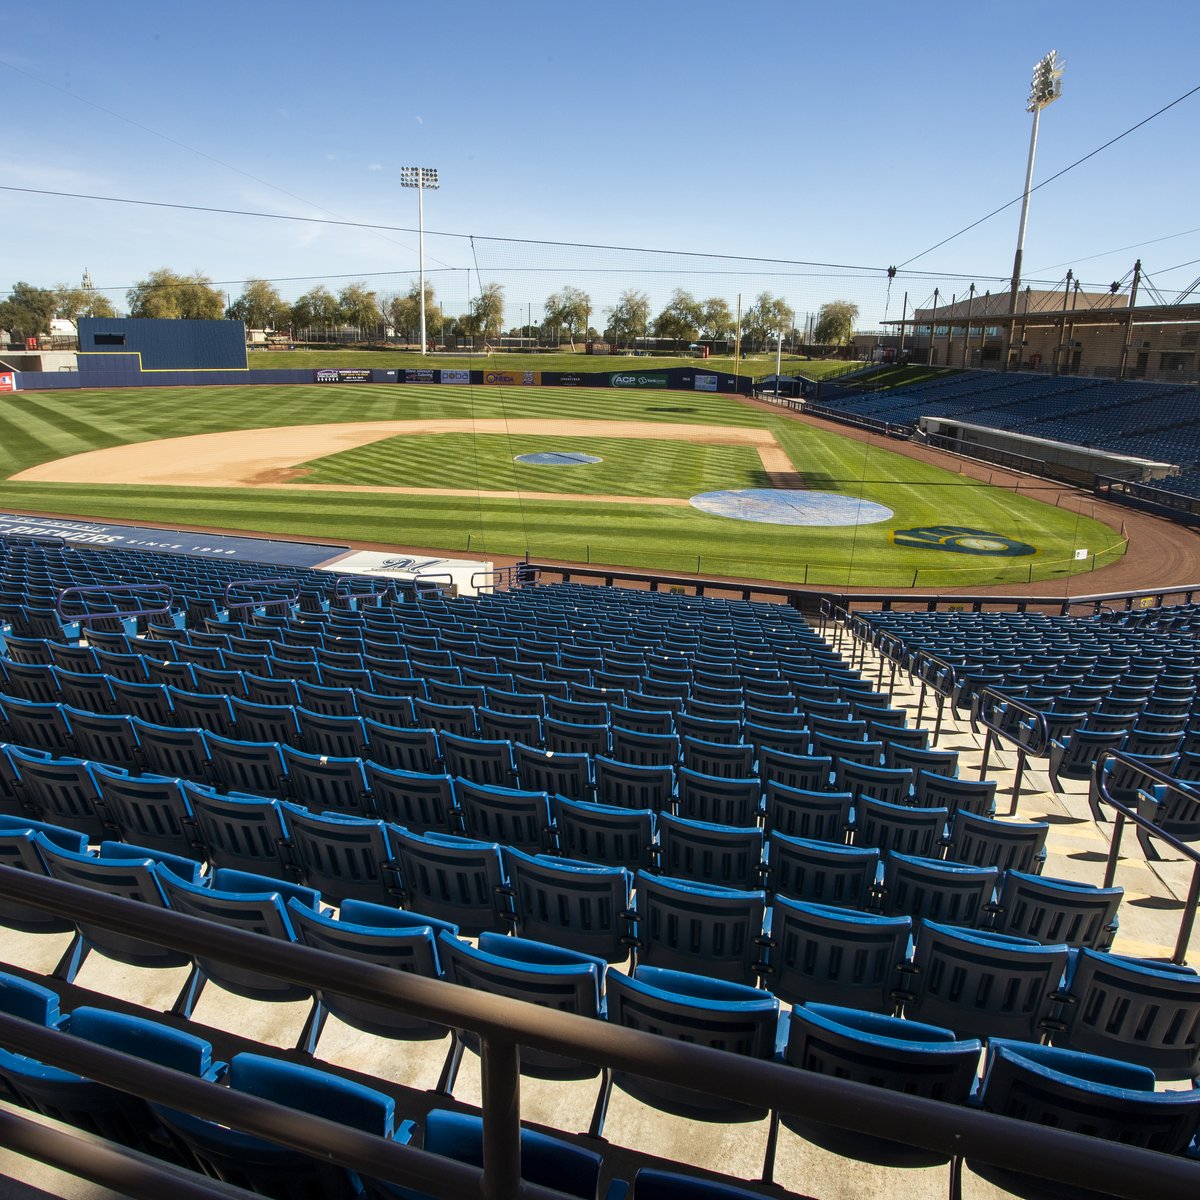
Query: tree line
x,y
567,315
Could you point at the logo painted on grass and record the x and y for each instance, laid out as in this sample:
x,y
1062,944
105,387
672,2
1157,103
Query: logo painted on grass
x,y
961,540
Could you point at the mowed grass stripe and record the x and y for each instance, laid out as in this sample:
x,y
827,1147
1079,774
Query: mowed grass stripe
x,y
630,466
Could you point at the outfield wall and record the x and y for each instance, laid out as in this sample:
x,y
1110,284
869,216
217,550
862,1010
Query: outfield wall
x,y
125,370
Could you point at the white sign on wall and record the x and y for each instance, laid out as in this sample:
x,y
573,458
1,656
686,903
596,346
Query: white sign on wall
x,y
461,572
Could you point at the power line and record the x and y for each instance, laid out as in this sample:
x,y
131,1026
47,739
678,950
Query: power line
x,y
1059,175
1119,249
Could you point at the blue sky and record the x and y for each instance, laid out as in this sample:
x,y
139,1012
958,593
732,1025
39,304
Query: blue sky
x,y
788,131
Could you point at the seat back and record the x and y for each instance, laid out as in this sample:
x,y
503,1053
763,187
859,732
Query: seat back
x,y
691,927
246,833
133,878
629,785
149,810
252,903
822,816
728,855
604,833
343,856
506,815
930,889
325,783
917,831
699,1010
722,801
19,849
806,772
835,955
536,972
577,905
1083,1093
983,984
1139,1012
822,872
62,790
1006,845
892,784
454,879
1057,910
385,936
718,758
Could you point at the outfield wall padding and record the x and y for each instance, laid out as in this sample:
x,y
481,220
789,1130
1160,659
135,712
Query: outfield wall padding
x,y
122,370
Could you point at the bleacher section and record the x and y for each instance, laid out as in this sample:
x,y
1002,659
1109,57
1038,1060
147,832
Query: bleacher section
x,y
666,812
1147,420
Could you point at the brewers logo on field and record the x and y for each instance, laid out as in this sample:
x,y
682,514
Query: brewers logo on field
x,y
961,540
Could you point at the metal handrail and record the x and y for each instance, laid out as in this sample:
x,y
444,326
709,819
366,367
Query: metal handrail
x,y
293,597
1031,736
347,581
432,583
503,1024
937,675
111,589
1125,813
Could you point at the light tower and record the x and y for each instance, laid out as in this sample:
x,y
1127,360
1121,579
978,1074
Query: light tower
x,y
421,178
1045,89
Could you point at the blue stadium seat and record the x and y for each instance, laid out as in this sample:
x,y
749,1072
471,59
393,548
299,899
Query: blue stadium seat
x,y
1007,845
104,1111
119,870
822,872
910,1057
421,803
727,855
19,850
454,879
984,984
509,816
335,736
539,973
245,833
482,762
1140,1012
930,889
1057,910
716,758
540,770
801,771
326,784
63,791
699,1010
149,810
403,749
176,753
578,905
254,767
212,711
372,933
687,926
628,785
918,831
343,856
835,955
549,1161
605,833
820,816
722,801
253,903
1081,1093
269,1169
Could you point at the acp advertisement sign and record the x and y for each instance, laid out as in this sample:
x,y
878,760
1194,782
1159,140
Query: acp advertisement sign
x,y
706,383
8,381
638,379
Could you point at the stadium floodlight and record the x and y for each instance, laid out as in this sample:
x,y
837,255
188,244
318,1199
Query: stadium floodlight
x,y
423,179
1045,88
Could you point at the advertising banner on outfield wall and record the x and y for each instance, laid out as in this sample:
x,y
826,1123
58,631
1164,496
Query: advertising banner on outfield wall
x,y
706,383
420,375
342,375
513,378
8,381
455,376
638,379
459,571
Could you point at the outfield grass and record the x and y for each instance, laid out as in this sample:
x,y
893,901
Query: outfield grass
x,y
37,427
754,365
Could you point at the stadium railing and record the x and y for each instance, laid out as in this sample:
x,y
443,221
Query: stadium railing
x,y
1165,785
503,1025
